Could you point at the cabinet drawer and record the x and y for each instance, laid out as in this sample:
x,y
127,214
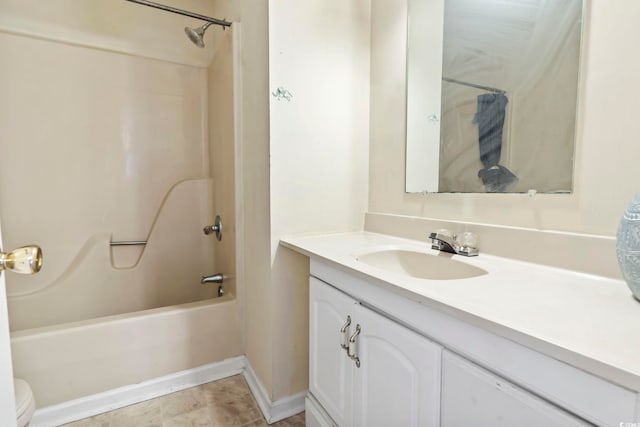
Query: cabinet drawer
x,y
472,396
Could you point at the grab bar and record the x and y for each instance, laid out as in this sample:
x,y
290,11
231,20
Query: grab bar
x,y
129,243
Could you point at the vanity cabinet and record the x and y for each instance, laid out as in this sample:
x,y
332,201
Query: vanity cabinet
x,y
365,369
421,367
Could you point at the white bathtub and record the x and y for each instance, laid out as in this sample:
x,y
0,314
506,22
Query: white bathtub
x,y
73,360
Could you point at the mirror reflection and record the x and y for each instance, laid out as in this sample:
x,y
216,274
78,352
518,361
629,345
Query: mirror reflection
x,y
499,114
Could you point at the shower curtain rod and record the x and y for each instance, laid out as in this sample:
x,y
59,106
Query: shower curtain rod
x,y
182,12
487,88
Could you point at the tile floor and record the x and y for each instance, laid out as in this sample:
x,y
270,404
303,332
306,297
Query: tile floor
x,y
222,403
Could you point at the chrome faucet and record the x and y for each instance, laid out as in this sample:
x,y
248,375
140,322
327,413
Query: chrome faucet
x,y
214,278
444,243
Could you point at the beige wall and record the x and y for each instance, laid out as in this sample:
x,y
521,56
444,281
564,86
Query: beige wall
x,y
607,147
252,182
221,108
253,215
300,178
300,170
255,188
319,152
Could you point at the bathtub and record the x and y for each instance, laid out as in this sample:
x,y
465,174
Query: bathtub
x,y
73,360
98,325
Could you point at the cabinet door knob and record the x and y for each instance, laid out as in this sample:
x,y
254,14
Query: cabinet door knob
x,y
351,351
345,333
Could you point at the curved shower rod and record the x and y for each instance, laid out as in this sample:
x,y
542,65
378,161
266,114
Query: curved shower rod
x,y
182,12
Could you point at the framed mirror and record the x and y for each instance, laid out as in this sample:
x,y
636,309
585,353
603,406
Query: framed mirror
x,y
492,88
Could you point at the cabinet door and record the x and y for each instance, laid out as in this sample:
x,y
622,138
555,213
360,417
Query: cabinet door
x,y
330,369
398,381
472,396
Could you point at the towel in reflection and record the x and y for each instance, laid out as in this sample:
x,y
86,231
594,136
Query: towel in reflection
x,y
490,119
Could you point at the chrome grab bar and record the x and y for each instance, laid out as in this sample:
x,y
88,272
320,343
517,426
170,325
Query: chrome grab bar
x,y
129,243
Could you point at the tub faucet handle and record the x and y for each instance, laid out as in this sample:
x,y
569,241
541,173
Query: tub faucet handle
x,y
215,228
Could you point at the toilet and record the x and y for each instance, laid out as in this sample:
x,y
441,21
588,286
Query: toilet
x,y
25,403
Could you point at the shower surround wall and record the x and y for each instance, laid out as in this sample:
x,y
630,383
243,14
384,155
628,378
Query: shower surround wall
x,y
102,146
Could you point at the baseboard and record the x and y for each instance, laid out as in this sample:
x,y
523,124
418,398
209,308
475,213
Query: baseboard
x,y
88,406
316,416
94,404
273,411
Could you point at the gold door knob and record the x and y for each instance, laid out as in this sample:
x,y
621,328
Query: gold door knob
x,y
25,260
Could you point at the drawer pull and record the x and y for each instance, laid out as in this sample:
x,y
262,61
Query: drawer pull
x,y
351,351
345,332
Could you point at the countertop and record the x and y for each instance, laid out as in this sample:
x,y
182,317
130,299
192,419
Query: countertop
x,y
587,321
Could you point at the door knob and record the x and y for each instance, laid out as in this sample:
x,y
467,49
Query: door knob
x,y
24,260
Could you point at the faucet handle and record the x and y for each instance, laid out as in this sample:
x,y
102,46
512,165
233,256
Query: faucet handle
x,y
215,228
468,244
442,232
445,232
468,240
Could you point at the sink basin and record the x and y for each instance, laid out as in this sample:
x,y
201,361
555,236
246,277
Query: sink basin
x,y
422,265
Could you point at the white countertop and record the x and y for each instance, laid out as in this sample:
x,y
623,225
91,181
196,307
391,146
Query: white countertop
x,y
587,321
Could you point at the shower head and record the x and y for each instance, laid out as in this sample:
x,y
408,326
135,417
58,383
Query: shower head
x,y
196,34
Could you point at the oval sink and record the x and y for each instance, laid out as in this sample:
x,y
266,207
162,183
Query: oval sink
x,y
422,265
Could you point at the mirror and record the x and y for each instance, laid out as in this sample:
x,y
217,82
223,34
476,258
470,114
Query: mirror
x,y
492,88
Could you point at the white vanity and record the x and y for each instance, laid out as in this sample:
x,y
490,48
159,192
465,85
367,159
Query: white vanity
x,y
517,344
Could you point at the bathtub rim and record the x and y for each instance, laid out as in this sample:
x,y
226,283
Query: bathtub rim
x,y
120,318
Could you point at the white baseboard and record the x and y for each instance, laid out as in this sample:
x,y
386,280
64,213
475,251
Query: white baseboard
x,y
273,411
316,416
88,406
94,404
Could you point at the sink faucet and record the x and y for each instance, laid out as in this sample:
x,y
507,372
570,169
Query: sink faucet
x,y
444,243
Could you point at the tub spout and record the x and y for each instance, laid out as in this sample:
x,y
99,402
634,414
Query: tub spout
x,y
214,278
